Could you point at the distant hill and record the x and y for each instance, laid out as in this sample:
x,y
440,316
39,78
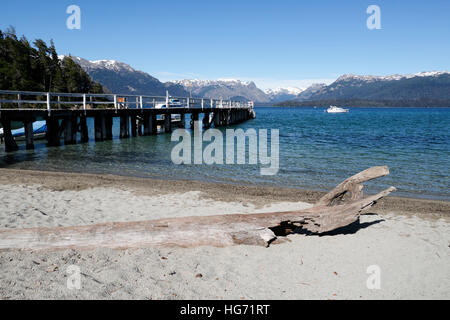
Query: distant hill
x,y
119,77
310,91
224,89
423,89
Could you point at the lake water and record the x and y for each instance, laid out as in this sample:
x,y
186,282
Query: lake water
x,y
317,151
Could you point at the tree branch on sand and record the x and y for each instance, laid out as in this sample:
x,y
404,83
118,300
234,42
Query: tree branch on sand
x,y
340,207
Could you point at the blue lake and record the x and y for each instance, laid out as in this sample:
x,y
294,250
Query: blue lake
x,y
317,151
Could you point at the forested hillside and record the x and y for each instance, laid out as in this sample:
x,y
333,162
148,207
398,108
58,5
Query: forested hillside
x,y
36,67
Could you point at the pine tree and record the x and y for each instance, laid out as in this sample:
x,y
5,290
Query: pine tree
x,y
24,67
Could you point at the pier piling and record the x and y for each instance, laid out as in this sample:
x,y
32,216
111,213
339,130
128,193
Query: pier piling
x,y
70,130
206,123
216,119
153,124
29,136
183,120
10,143
98,128
139,123
133,126
194,119
53,139
84,132
167,122
222,117
108,127
103,126
124,126
146,120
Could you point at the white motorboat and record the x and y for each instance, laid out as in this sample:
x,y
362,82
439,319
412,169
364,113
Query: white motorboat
x,y
173,103
334,109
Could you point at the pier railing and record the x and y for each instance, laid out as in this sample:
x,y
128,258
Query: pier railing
x,y
83,101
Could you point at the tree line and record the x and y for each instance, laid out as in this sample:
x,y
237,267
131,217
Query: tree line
x,y
36,67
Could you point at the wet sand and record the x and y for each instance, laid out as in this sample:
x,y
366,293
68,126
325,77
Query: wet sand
x,y
258,195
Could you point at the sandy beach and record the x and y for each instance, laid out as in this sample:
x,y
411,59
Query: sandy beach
x,y
408,239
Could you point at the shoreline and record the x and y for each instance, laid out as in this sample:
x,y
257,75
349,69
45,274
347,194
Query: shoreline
x,y
256,195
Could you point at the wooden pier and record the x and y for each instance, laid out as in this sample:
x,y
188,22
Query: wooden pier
x,y
66,115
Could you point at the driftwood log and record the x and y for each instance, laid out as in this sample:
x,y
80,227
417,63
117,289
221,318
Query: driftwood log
x,y
339,208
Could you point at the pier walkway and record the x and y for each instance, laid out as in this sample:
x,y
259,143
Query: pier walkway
x,y
66,115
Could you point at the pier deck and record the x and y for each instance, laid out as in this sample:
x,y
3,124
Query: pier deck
x,y
66,115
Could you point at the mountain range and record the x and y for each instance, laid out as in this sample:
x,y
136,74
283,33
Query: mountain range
x,y
418,89
224,89
120,77
424,85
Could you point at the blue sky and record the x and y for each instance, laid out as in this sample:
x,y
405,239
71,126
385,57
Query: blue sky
x,y
274,43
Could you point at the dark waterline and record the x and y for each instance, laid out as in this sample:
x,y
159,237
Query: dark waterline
x,y
317,151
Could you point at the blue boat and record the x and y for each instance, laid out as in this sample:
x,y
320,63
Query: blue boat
x,y
39,130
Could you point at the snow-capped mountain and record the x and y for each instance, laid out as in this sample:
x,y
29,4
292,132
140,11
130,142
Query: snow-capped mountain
x,y
224,89
423,85
120,77
289,90
233,88
112,65
369,78
423,89
283,94
197,83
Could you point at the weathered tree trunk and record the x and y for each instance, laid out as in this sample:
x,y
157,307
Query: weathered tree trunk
x,y
221,230
351,189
